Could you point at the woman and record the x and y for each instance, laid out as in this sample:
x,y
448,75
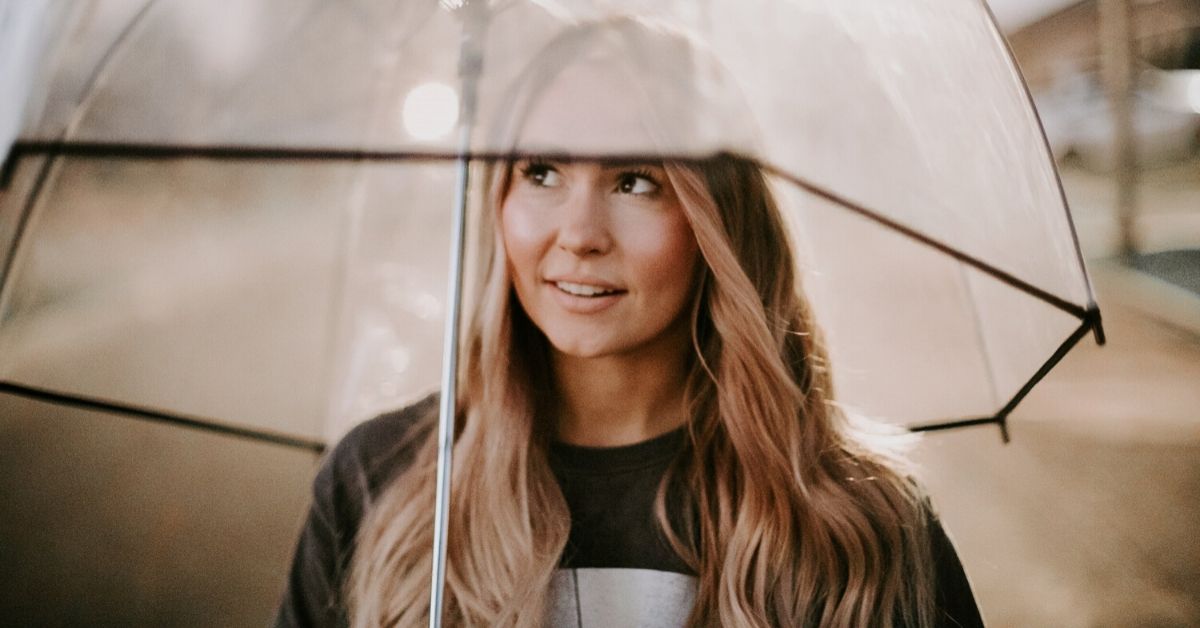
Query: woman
x,y
646,432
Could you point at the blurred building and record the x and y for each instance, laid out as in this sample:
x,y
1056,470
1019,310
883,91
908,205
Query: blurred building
x,y
1062,56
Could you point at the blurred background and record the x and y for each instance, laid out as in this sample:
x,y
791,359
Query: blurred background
x,y
1086,518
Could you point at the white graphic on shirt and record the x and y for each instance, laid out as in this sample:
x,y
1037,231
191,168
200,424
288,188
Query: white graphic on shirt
x,y
629,598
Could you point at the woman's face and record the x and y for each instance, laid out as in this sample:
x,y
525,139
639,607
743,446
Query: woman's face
x,y
600,254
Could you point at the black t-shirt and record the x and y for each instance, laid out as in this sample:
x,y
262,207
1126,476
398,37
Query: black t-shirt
x,y
617,569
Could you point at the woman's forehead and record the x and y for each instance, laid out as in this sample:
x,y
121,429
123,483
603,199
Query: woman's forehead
x,y
592,108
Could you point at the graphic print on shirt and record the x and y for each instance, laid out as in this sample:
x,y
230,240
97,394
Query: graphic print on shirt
x,y
589,597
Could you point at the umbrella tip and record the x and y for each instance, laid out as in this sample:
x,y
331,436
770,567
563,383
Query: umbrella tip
x,y
1097,325
1002,423
8,166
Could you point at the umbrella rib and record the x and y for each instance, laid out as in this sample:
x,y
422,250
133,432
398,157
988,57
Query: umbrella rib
x,y
77,148
255,152
84,402
91,403
1077,311
10,163
136,150
1091,323
948,425
86,94
980,337
7,169
22,225
1089,315
1098,329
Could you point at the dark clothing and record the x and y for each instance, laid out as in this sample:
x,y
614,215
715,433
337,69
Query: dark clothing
x,y
614,538
610,492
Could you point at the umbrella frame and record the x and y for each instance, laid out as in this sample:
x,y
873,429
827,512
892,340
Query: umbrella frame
x,y
474,17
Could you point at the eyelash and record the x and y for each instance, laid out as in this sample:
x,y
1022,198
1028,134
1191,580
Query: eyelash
x,y
645,174
535,167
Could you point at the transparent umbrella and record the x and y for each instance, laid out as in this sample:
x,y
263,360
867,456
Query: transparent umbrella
x,y
238,217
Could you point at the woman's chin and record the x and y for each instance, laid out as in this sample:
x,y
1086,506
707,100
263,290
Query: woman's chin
x,y
581,349
584,347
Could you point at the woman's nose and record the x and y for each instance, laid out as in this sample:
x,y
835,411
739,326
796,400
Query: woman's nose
x,y
583,229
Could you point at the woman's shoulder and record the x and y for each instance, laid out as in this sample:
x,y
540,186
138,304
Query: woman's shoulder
x,y
915,508
373,452
955,598
351,475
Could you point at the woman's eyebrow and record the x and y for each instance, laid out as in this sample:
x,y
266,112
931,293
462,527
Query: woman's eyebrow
x,y
536,159
622,164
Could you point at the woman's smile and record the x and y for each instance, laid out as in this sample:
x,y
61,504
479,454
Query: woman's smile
x,y
583,289
582,298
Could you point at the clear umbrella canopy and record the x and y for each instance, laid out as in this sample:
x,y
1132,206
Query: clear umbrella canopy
x,y
240,213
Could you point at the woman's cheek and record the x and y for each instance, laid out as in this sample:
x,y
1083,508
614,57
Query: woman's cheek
x,y
522,233
668,248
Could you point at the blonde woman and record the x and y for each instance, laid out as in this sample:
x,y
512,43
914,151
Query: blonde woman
x,y
646,433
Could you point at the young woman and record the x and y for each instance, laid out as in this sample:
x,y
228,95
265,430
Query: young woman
x,y
646,432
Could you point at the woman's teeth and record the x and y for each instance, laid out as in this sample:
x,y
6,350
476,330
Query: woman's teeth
x,y
582,290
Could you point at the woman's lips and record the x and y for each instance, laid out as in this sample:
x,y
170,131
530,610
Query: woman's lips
x,y
579,304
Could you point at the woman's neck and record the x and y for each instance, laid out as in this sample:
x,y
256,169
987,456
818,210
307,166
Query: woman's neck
x,y
620,399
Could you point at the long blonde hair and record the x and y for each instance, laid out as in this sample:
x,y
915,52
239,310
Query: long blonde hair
x,y
789,516
788,512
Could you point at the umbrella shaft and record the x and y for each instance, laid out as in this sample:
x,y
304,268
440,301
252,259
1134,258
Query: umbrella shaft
x,y
449,393
470,67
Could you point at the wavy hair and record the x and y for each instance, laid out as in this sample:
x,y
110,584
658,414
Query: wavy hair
x,y
789,512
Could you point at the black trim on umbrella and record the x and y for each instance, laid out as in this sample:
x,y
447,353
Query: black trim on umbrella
x,y
933,427
17,149
1000,419
158,416
135,150
7,169
23,220
251,152
1077,311
1091,323
1089,315
1098,330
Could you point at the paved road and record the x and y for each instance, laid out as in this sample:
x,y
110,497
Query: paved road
x,y
1088,518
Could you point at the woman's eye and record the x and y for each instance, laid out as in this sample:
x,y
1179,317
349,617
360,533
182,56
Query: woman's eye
x,y
634,183
541,175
